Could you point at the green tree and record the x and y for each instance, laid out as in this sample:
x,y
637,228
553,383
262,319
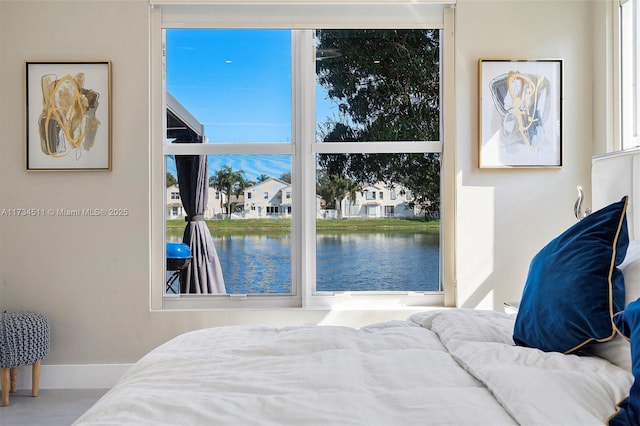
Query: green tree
x,y
387,84
171,180
286,177
239,187
228,182
334,188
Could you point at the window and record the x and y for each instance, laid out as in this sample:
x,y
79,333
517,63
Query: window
x,y
312,113
630,72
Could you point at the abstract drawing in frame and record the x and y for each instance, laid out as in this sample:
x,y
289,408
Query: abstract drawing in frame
x,y
68,113
520,113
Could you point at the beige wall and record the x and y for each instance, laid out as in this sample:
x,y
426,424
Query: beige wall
x,y
506,216
91,275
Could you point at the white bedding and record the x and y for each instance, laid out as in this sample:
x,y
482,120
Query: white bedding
x,y
453,367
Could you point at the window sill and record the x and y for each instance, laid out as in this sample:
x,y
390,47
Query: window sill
x,y
329,302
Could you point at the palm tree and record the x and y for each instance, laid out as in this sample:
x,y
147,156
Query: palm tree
x,y
227,181
239,187
334,189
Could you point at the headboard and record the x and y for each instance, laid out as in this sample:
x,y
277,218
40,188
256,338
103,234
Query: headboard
x,y
613,176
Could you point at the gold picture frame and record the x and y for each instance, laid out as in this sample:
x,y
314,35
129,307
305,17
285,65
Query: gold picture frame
x,y
520,113
68,116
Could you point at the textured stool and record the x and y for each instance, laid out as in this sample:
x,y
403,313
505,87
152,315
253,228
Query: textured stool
x,y
24,340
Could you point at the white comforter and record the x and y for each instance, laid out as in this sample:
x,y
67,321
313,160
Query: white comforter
x,y
453,367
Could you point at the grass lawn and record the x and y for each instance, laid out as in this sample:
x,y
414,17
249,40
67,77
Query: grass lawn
x,y
242,226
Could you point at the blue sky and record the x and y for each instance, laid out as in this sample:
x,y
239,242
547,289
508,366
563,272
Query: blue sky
x,y
237,83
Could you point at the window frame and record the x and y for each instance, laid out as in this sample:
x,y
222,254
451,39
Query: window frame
x,y
629,63
303,137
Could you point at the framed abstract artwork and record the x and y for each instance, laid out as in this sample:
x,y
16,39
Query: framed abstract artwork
x,y
68,114
520,113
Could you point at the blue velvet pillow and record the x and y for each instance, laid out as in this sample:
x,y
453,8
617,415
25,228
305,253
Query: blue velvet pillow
x,y
574,287
628,324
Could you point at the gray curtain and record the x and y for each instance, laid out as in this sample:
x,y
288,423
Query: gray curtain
x,y
204,273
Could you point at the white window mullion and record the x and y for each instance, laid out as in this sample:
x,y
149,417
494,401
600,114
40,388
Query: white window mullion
x,y
245,148
297,216
375,147
305,119
448,233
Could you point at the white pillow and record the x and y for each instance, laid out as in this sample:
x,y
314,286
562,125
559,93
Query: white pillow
x,y
618,350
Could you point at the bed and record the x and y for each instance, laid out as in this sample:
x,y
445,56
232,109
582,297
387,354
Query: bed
x,y
564,358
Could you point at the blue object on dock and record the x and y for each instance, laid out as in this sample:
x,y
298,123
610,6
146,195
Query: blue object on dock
x,y
178,257
178,251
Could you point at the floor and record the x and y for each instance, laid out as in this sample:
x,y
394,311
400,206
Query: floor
x,y
52,407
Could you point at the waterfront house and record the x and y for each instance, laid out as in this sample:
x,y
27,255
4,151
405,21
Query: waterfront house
x,y
265,199
216,204
379,200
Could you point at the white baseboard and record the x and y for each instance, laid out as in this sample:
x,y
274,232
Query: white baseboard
x,y
73,376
